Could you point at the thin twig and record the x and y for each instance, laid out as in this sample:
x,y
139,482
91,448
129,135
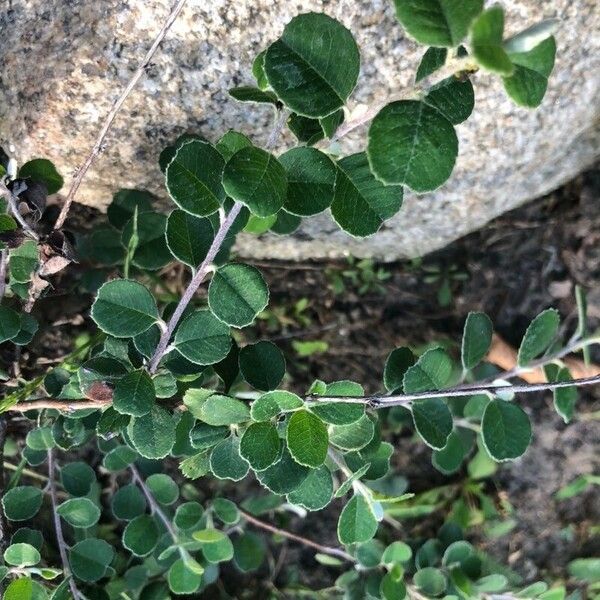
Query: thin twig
x,y
113,113
204,268
452,67
374,402
11,198
77,595
3,264
297,538
193,286
154,506
3,524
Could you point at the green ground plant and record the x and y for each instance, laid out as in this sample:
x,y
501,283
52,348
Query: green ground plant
x,y
169,377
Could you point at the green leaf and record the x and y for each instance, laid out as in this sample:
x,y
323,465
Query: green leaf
x,y
257,179
311,178
285,476
361,203
189,237
431,372
430,581
340,413
141,535
262,365
10,323
437,22
259,225
248,551
124,204
506,430
271,404
183,580
486,42
529,80
195,466
258,70
124,308
40,439
538,337
194,178
90,558
354,436
41,169
237,293
119,458
346,485
128,502
22,261
163,488
357,523
433,421
308,131
476,340
398,362
202,338
433,59
203,436
564,398
307,439
315,492
153,435
448,459
77,478
79,512
216,546
260,445
22,555
134,394
395,553
413,144
188,515
454,98
223,410
24,588
22,502
231,142
150,249
285,223
313,67
226,510
27,329
226,461
585,569
247,93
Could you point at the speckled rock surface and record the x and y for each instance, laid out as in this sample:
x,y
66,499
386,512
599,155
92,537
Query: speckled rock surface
x,y
63,62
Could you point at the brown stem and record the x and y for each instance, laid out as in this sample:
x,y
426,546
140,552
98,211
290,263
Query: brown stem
x,y
297,538
3,524
108,121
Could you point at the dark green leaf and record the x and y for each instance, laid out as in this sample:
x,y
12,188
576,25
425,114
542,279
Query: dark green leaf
x,y
539,335
79,512
128,502
311,177
285,476
248,93
153,435
231,142
202,338
226,461
357,522
315,492
189,237
151,251
361,203
396,365
454,98
272,404
506,430
431,372
223,410
433,421
163,488
248,551
314,66
433,59
486,42
77,478
10,323
90,558
529,80
476,340
124,204
307,439
141,535
22,502
262,365
124,308
286,223
257,179
134,394
237,293
41,169
260,445
437,22
430,581
194,178
413,144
